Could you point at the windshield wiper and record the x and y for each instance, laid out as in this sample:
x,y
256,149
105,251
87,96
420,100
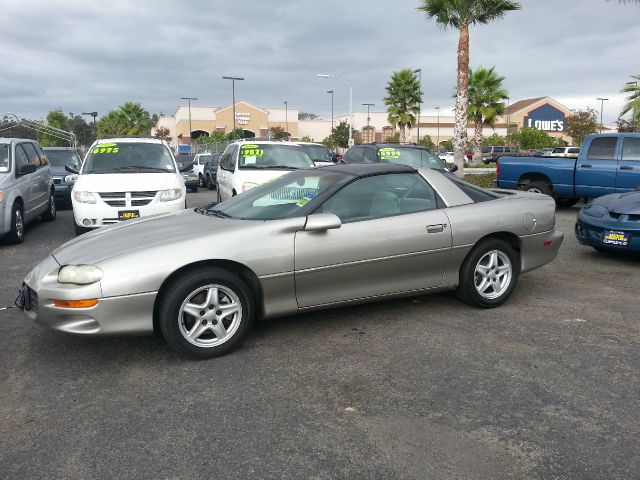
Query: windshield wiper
x,y
214,213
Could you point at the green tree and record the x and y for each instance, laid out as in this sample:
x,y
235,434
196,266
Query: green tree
x,y
235,134
217,136
203,140
460,14
427,142
486,103
279,133
403,100
628,125
307,116
128,119
581,124
447,145
329,143
340,134
633,100
56,119
494,139
529,137
163,133
111,125
306,138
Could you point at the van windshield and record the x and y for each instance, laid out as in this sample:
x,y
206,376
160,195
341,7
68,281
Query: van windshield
x,y
5,154
128,157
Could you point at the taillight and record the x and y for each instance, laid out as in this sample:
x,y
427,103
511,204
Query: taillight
x,y
497,167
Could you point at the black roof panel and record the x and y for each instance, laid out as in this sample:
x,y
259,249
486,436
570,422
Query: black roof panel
x,y
364,169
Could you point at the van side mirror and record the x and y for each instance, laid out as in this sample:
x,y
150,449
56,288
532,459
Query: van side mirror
x,y
26,169
72,169
322,221
185,166
453,168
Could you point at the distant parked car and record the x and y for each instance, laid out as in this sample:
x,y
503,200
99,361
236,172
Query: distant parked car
x,y
571,152
403,154
26,187
210,171
63,182
199,161
446,156
491,154
191,179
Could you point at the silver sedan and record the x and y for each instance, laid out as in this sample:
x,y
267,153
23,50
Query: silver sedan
x,y
311,239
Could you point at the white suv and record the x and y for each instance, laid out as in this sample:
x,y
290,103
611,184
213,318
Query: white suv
x,y
247,164
125,178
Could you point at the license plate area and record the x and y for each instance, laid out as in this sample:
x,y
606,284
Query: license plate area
x,y
128,214
615,237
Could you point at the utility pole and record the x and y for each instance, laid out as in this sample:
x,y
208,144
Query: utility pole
x,y
286,117
233,96
438,136
95,130
602,100
190,129
419,72
331,92
368,105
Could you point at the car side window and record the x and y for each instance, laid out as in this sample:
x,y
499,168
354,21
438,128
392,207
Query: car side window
x,y
631,149
32,155
381,196
603,148
370,155
353,155
21,158
224,160
498,149
43,158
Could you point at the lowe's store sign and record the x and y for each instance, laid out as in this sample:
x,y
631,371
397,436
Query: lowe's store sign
x,y
546,118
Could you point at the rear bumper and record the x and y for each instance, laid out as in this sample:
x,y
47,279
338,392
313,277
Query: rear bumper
x,y
539,249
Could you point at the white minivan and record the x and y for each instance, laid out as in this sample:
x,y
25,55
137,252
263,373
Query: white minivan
x,y
126,178
247,164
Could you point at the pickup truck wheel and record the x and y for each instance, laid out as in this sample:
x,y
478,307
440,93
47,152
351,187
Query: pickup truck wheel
x,y
538,187
566,202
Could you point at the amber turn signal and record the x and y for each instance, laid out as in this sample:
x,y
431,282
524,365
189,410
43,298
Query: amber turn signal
x,y
75,303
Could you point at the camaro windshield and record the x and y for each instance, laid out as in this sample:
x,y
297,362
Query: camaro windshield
x,y
283,197
60,158
5,164
415,157
268,155
317,153
128,158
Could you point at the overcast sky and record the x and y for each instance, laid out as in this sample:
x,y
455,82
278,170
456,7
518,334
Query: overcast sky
x,y
90,55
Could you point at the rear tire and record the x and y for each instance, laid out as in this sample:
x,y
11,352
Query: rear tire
x,y
16,233
489,274
538,187
206,313
50,214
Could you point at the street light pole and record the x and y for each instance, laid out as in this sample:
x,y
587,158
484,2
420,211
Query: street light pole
x,y
233,96
419,72
368,105
324,75
438,137
331,92
602,100
286,117
190,130
94,115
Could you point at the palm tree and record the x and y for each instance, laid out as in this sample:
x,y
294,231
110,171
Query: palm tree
x,y
136,119
403,100
460,14
485,103
633,100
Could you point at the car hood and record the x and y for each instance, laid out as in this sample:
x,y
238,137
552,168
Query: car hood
x,y
125,182
142,234
623,203
58,171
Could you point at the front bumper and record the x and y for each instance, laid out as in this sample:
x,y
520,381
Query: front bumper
x,y
63,192
100,214
591,233
122,315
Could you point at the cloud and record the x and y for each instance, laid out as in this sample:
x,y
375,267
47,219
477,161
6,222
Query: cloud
x,y
84,56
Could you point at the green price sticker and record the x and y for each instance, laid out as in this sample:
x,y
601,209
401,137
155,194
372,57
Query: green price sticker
x,y
251,151
388,153
106,148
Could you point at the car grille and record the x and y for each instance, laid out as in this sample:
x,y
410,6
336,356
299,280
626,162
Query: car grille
x,y
57,181
291,193
128,199
32,304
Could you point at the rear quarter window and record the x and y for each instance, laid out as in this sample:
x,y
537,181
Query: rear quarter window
x,y
474,192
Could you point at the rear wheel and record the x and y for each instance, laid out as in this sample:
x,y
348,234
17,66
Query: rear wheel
x,y
206,313
50,214
538,187
16,232
489,274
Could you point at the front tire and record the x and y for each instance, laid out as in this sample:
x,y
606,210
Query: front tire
x,y
206,313
50,214
16,232
489,274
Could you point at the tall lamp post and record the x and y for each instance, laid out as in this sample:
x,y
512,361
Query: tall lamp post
x,y
602,100
438,136
190,130
94,115
368,105
419,72
324,75
233,96
331,92
286,117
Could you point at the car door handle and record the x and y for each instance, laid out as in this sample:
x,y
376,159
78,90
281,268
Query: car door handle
x,y
626,167
585,165
436,228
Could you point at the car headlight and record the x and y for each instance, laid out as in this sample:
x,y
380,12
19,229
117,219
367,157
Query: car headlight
x,y
171,194
595,210
70,178
84,197
79,274
248,185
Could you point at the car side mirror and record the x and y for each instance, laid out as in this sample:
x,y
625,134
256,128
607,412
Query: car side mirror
x,y
72,169
453,168
322,221
26,169
185,167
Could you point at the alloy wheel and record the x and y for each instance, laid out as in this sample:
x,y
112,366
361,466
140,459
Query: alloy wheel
x,y
493,274
19,224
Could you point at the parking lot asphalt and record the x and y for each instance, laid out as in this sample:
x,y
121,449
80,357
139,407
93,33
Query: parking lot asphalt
x,y
546,386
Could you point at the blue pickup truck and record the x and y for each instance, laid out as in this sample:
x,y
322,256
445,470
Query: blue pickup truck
x,y
607,163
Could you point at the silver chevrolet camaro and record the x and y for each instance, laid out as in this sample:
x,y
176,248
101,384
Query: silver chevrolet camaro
x,y
311,239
